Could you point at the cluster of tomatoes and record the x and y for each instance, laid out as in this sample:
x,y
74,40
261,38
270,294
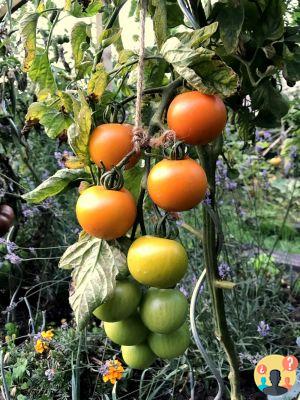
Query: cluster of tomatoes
x,y
150,324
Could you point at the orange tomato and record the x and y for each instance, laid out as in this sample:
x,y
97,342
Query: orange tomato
x,y
197,118
110,143
177,185
106,214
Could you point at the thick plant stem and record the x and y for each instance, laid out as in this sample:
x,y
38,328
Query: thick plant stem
x,y
208,156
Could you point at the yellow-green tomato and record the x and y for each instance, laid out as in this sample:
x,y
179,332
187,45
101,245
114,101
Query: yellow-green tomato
x,y
127,332
163,310
124,302
170,345
157,262
139,356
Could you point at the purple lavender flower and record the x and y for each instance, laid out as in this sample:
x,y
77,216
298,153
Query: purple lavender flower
x,y
2,241
230,185
37,337
104,368
224,270
29,212
184,291
207,199
267,135
263,328
62,157
13,258
11,246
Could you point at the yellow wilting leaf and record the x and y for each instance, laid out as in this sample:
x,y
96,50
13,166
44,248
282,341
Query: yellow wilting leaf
x,y
73,163
98,82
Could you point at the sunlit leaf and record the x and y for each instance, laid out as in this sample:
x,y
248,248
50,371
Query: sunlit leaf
x,y
28,34
198,37
78,10
201,68
40,72
79,132
98,82
54,185
94,276
81,32
54,121
109,36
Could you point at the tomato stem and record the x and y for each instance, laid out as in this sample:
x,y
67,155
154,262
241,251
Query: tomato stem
x,y
208,156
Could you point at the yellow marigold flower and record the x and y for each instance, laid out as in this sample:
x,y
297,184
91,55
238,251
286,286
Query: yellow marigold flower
x,y
48,335
112,371
40,346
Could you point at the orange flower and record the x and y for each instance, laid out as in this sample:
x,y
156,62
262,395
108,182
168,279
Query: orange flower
x,y
40,346
48,335
112,371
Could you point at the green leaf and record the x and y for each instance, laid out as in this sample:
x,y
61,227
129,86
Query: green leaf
x,y
291,69
198,37
79,11
201,68
94,276
174,15
80,35
98,82
19,369
133,178
160,22
54,185
28,26
109,36
230,18
54,121
272,21
40,72
272,105
126,56
79,132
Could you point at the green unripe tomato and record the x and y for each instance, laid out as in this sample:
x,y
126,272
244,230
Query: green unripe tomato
x,y
163,310
128,332
157,262
139,356
124,302
171,345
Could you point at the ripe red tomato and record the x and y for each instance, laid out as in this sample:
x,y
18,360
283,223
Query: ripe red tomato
x,y
110,143
7,217
106,214
177,185
197,118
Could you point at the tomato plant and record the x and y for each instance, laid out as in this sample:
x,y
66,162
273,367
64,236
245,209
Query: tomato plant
x,y
207,63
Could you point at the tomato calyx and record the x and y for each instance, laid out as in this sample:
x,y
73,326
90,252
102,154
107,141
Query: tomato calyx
x,y
114,113
166,226
112,179
178,151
